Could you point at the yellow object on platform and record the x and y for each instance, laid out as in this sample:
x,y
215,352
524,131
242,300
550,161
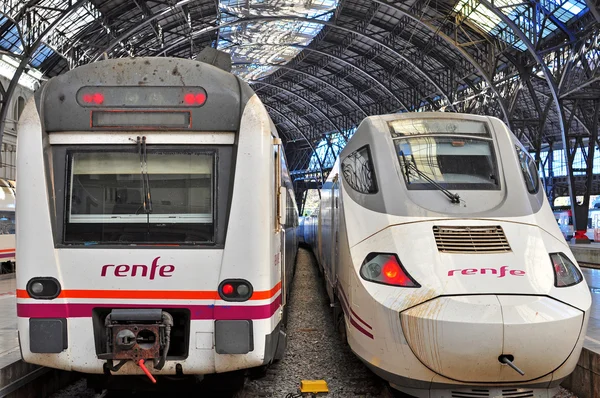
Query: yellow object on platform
x,y
314,386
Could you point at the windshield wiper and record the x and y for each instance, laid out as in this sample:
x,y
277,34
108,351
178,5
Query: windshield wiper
x,y
411,165
147,196
148,199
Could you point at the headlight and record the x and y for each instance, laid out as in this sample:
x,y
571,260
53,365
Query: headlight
x,y
45,288
565,272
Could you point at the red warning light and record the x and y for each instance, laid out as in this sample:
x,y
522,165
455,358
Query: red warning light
x,y
227,289
194,98
98,98
189,99
88,98
200,98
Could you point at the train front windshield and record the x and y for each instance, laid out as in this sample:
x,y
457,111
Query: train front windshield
x,y
162,196
453,154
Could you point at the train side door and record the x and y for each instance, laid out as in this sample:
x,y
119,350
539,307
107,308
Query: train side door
x,y
280,216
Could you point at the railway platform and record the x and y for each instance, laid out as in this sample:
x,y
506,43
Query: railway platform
x,y
17,378
587,254
9,344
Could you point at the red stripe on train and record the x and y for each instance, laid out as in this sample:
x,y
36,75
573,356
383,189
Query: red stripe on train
x,y
345,298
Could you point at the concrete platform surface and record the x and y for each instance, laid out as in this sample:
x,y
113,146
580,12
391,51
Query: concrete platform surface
x,y
9,343
587,254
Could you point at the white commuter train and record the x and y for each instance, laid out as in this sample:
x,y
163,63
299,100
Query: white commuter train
x,y
7,227
156,225
446,266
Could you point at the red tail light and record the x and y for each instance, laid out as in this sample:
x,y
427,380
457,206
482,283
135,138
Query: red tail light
x,y
235,290
386,268
227,289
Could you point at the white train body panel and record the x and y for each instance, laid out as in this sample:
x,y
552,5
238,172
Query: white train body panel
x,y
96,279
471,307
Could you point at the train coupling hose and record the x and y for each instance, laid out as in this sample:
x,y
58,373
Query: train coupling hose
x,y
141,364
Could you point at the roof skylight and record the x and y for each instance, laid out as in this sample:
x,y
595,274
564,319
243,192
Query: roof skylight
x,y
257,47
518,12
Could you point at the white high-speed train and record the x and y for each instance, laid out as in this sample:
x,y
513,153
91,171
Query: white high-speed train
x,y
157,223
442,257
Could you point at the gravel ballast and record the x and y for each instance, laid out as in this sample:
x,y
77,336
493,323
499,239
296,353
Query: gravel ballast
x,y
315,351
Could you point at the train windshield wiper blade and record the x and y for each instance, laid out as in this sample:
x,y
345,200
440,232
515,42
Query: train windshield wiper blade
x,y
145,179
410,165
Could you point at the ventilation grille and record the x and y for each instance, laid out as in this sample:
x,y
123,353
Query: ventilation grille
x,y
471,239
514,393
471,394
477,393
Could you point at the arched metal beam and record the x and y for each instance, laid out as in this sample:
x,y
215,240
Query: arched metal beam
x,y
291,122
416,67
28,51
436,31
331,86
115,42
335,57
551,85
319,111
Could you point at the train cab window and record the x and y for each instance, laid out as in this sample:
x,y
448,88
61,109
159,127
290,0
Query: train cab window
x,y
122,198
445,153
529,170
359,172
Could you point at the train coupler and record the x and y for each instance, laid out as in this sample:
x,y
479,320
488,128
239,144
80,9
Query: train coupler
x,y
137,335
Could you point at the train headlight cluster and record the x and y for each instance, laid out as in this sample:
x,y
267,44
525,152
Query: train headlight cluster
x,y
386,268
565,272
43,288
235,290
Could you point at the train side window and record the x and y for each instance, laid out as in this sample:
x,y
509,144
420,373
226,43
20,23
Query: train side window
x,y
359,172
529,170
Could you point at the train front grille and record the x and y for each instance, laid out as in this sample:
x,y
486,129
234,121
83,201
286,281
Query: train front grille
x,y
470,239
481,393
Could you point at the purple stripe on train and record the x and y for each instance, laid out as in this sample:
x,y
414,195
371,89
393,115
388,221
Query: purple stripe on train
x,y
198,312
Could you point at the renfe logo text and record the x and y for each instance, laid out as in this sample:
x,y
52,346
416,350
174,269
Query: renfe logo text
x,y
492,271
142,270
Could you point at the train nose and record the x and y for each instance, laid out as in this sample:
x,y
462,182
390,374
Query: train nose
x,y
465,337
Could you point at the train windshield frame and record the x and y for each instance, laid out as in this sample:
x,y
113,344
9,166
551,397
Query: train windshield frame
x,y
453,154
119,196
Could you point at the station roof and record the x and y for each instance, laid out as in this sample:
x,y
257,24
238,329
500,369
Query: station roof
x,y
321,66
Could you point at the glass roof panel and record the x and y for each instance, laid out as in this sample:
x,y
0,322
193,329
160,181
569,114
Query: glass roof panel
x,y
10,41
518,12
57,39
257,48
40,55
